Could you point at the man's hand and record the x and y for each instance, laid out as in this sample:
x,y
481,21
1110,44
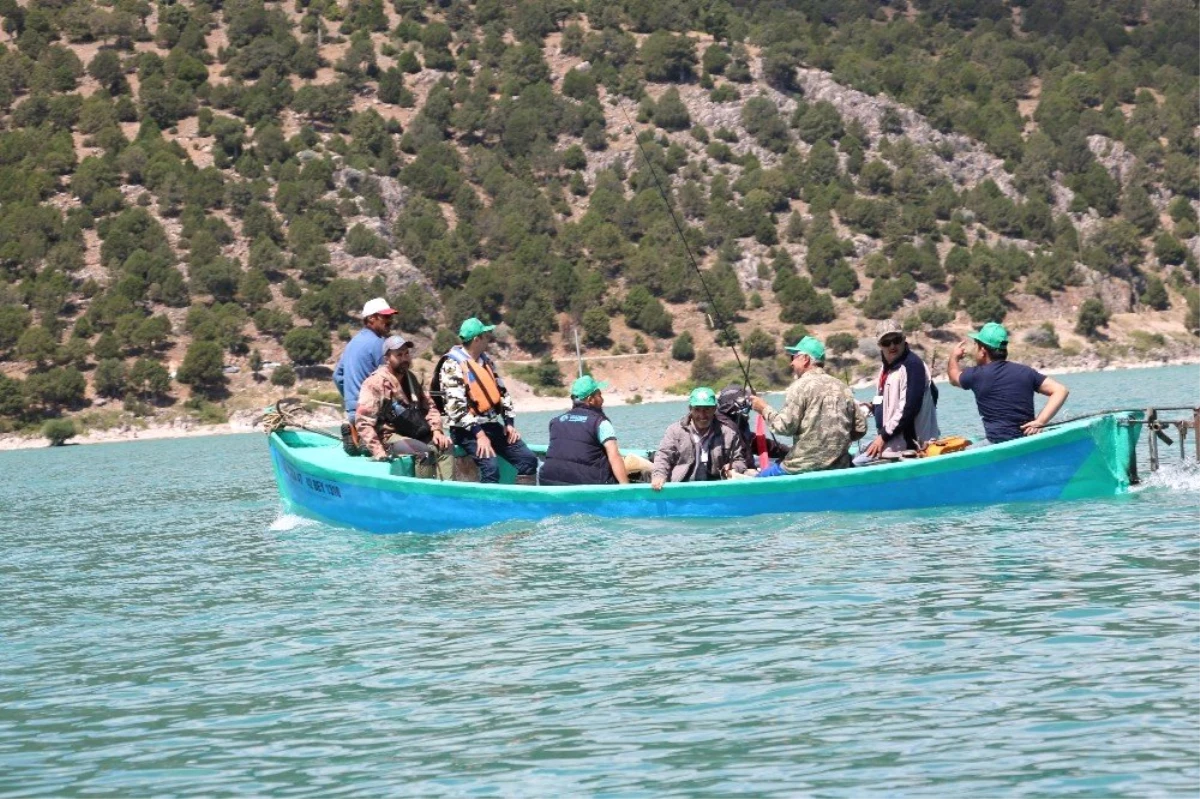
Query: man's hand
x,y
381,458
759,405
511,434
657,482
441,440
953,370
876,447
1031,428
483,446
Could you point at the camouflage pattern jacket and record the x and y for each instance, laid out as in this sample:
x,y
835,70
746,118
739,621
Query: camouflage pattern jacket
x,y
384,387
820,413
454,394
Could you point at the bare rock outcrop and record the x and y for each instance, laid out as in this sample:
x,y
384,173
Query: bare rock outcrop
x,y
968,165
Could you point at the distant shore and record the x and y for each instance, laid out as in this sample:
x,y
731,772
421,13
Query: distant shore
x,y
527,404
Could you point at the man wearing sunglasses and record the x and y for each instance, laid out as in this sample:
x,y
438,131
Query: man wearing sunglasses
x,y
905,403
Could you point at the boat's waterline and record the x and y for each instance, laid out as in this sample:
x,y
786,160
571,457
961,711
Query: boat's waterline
x,y
1088,458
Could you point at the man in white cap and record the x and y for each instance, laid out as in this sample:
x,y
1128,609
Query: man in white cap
x,y
364,354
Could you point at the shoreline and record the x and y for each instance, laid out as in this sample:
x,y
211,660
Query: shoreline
x,y
527,404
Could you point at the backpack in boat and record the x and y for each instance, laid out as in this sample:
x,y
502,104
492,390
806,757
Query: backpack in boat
x,y
944,446
408,420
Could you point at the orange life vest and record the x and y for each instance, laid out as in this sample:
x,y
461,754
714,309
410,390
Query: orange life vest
x,y
483,389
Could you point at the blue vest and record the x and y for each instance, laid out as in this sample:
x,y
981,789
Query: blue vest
x,y
574,456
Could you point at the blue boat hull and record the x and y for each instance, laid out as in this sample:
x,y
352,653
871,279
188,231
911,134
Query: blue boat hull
x,y
1083,459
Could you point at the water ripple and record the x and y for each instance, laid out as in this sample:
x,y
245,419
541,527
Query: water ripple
x,y
187,640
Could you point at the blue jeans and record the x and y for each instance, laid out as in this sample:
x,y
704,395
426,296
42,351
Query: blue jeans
x,y
774,470
519,455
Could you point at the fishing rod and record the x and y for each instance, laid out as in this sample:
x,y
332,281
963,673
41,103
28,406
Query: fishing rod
x,y
1110,411
712,303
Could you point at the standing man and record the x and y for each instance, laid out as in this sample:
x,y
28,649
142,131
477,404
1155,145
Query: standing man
x,y
1004,390
395,416
479,408
819,412
698,447
905,404
583,446
364,354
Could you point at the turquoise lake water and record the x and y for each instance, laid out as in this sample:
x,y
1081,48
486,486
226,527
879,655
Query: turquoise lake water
x,y
165,631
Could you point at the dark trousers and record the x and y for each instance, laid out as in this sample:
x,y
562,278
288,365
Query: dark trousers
x,y
519,455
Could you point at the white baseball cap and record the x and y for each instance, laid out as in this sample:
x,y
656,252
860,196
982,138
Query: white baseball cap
x,y
377,306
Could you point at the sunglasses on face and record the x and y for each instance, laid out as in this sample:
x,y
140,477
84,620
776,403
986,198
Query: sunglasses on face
x,y
891,341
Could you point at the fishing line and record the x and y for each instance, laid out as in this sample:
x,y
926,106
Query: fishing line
x,y
712,303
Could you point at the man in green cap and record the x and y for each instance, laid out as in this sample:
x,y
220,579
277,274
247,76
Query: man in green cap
x,y
474,401
696,447
1004,390
819,412
583,443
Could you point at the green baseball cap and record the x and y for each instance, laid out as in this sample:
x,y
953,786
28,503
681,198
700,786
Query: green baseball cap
x,y
702,397
812,347
472,328
992,335
585,387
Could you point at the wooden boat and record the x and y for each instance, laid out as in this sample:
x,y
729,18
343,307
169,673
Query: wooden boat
x,y
1080,459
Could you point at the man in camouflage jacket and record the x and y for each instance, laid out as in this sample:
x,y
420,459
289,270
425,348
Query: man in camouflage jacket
x,y
819,411
479,411
390,385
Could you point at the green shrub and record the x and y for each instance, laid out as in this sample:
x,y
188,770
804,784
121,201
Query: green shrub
x,y
1042,336
360,241
283,375
1155,294
987,308
936,315
1093,315
307,345
793,334
758,345
683,349
109,380
544,376
841,343
596,327
670,113
58,431
1192,317
203,367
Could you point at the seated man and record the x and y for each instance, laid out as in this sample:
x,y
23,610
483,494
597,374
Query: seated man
x,y
395,416
1004,390
478,407
905,405
696,447
819,412
583,443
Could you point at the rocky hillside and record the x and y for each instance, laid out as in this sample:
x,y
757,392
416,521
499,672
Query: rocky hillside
x,y
196,197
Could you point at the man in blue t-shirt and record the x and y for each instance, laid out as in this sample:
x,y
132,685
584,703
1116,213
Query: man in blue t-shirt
x,y
364,354
1003,390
